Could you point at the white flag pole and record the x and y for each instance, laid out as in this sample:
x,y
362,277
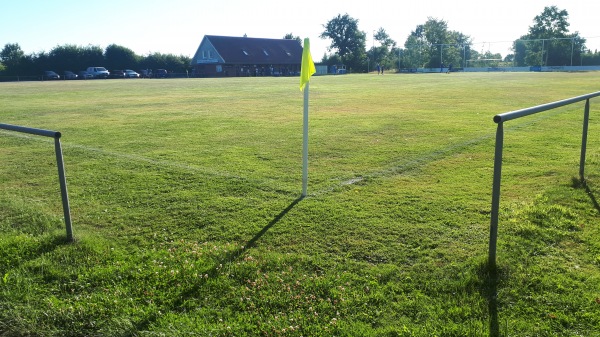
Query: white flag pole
x,y
305,144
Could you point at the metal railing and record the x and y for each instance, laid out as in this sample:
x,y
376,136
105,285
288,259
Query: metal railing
x,y
500,119
60,164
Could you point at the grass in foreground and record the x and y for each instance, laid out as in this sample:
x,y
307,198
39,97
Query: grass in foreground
x,y
184,196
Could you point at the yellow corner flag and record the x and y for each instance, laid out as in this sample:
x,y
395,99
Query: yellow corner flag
x,y
308,66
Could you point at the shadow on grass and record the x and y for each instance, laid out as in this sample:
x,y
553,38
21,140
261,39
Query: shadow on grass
x,y
578,183
489,277
19,252
234,255
227,259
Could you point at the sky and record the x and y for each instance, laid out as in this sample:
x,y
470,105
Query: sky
x,y
177,26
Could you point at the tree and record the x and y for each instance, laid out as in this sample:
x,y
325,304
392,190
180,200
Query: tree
x,y
385,54
290,36
169,62
118,57
548,41
431,44
347,40
66,57
13,58
384,39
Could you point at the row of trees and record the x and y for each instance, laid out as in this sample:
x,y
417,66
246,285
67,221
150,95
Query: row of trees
x,y
431,45
71,57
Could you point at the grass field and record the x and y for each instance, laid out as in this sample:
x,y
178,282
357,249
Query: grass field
x,y
186,212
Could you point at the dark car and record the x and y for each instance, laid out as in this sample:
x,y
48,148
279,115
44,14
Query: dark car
x,y
117,74
69,75
146,73
160,73
84,75
50,75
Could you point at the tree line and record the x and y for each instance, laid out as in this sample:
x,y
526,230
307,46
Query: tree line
x,y
14,62
548,42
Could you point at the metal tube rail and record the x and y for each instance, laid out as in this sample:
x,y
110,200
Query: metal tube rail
x,y
533,110
60,165
500,119
39,132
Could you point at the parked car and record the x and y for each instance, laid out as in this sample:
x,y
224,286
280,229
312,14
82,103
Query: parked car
x,y
131,74
84,75
117,74
146,73
160,73
69,75
98,72
50,75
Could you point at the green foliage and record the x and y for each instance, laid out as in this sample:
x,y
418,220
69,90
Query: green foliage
x,y
290,36
347,40
548,42
184,197
119,57
75,58
12,58
432,44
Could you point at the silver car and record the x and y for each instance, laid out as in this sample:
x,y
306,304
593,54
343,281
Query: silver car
x,y
131,74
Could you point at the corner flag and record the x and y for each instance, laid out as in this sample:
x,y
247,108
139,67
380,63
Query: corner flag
x,y
306,71
308,66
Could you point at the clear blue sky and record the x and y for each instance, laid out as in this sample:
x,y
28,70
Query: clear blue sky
x,y
177,26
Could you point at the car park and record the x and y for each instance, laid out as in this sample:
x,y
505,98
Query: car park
x,y
146,73
117,74
69,75
131,74
160,73
84,75
50,75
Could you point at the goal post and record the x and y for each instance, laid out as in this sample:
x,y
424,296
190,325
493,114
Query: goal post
x,y
60,165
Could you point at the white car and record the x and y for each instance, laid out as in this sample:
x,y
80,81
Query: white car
x,y
131,74
98,72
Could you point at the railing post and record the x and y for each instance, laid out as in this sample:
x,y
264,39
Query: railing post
x,y
63,187
586,119
496,195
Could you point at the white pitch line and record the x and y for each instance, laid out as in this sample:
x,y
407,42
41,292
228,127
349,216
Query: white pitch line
x,y
399,168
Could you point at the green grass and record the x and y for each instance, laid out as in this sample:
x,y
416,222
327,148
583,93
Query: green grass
x,y
186,212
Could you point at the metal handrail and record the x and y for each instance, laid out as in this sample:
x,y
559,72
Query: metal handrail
x,y
504,117
60,164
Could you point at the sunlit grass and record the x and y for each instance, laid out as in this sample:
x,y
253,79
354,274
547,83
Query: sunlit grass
x,y
185,205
